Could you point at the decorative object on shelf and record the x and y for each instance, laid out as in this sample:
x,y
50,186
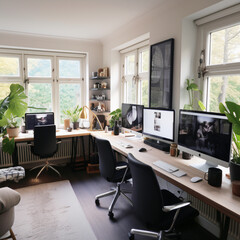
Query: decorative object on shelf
x,y
105,72
115,116
116,128
73,114
83,115
192,87
161,74
93,96
99,72
97,85
202,66
94,74
232,111
104,84
92,106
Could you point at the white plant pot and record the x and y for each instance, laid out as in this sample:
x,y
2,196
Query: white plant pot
x,y
13,132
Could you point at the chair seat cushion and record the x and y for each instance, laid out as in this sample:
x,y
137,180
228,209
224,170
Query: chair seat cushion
x,y
8,199
186,213
118,174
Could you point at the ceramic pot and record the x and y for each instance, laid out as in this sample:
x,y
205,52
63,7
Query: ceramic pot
x,y
13,132
234,171
75,125
116,128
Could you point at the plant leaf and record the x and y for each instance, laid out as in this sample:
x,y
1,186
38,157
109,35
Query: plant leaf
x,y
8,145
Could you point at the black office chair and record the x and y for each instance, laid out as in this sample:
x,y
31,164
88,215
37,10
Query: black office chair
x,y
158,209
45,145
112,171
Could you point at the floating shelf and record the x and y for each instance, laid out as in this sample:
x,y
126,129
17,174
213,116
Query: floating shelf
x,y
94,99
100,78
99,89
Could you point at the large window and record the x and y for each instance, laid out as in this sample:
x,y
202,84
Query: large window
x,y
136,76
52,81
221,40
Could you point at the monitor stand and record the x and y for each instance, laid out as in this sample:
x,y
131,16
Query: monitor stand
x,y
203,166
158,144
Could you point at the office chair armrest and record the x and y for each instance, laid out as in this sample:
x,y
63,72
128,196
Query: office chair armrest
x,y
175,206
121,167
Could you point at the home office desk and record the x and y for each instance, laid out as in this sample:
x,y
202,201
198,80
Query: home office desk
x,y
60,134
221,199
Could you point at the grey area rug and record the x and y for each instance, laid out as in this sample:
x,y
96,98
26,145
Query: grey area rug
x,y
51,211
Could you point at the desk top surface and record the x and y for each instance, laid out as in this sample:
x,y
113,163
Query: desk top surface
x,y
220,198
22,137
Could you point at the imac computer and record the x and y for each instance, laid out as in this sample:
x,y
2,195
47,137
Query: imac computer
x,y
132,117
158,124
206,135
33,119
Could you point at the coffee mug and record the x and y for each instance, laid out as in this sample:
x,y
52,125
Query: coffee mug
x,y
214,177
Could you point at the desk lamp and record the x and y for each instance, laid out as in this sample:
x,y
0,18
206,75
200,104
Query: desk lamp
x,y
83,115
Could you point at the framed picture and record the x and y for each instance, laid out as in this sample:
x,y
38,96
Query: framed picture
x,y
161,74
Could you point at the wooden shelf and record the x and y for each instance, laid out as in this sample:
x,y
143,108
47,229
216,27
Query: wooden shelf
x,y
100,78
99,89
94,99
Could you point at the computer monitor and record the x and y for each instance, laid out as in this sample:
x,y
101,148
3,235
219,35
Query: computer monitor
x,y
33,119
132,116
159,123
207,135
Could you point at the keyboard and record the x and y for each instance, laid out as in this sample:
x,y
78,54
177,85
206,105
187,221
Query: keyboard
x,y
165,166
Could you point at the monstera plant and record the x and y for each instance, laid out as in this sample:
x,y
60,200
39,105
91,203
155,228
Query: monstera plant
x,y
12,109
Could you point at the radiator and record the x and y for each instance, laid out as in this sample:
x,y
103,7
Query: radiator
x,y
210,214
26,157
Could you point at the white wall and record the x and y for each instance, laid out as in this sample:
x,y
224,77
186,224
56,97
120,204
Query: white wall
x,y
161,23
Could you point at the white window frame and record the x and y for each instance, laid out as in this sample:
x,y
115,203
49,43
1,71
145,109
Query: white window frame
x,y
136,77
54,80
204,32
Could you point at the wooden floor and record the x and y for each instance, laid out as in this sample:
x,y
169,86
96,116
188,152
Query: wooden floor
x,y
86,187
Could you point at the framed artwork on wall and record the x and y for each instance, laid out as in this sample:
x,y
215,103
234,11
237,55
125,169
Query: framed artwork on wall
x,y
161,74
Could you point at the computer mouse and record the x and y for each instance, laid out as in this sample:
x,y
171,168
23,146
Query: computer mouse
x,y
195,179
142,150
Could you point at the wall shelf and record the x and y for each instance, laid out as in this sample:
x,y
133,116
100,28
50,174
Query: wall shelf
x,y
99,89
99,78
94,99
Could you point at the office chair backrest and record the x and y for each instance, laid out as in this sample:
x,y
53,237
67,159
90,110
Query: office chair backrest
x,y
45,144
146,194
107,160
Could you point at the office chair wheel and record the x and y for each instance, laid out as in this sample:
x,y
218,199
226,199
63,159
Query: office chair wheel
x,y
111,215
97,202
130,236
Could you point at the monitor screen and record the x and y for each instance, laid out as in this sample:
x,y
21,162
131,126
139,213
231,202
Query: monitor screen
x,y
132,116
33,119
159,123
205,134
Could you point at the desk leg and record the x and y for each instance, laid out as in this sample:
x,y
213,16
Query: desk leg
x,y
74,150
224,222
15,156
83,149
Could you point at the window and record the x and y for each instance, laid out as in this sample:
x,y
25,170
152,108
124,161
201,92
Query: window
x,y
221,39
136,76
69,75
52,81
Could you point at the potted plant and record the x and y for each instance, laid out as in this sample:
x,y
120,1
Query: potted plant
x,y
232,111
73,114
192,88
114,121
12,108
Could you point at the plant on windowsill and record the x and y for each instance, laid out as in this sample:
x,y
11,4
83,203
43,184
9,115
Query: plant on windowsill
x,y
232,111
73,114
192,88
12,108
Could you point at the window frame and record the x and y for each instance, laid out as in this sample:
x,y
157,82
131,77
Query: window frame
x,y
137,75
225,69
23,54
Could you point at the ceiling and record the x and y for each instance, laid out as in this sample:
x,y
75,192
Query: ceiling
x,y
84,19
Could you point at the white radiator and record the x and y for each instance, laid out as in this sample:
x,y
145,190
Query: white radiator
x,y
210,214
26,157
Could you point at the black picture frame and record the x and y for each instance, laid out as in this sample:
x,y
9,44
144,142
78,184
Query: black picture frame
x,y
161,74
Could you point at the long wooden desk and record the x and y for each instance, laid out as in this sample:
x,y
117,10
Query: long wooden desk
x,y
221,199
60,134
